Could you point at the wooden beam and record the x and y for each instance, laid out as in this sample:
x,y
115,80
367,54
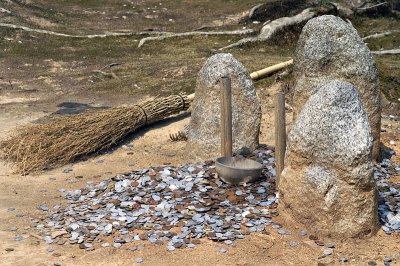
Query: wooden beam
x,y
280,134
226,117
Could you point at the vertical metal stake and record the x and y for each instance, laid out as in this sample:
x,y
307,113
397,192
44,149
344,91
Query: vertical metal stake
x,y
280,134
226,117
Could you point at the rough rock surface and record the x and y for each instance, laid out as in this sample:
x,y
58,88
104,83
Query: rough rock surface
x,y
327,184
329,48
204,129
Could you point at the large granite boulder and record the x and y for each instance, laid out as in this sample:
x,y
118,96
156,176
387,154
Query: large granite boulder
x,y
204,129
327,184
330,48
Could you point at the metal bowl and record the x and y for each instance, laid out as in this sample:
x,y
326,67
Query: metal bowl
x,y
235,170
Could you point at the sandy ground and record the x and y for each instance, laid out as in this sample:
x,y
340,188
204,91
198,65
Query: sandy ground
x,y
149,148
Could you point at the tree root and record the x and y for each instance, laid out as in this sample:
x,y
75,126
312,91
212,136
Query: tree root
x,y
272,28
377,35
385,52
193,33
108,34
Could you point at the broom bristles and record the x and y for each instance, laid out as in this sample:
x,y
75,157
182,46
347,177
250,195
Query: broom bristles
x,y
38,147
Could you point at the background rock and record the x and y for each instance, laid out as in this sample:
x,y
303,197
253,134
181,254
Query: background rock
x,y
329,48
327,184
204,130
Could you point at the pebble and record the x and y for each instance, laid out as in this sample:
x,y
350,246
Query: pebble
x,y
48,239
330,245
387,261
327,252
50,249
104,245
18,238
11,209
302,233
139,260
222,250
43,207
282,232
293,244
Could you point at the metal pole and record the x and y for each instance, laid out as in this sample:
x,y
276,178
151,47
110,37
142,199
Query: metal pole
x,y
280,134
226,117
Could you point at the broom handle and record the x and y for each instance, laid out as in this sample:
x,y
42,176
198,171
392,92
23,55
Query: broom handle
x,y
260,73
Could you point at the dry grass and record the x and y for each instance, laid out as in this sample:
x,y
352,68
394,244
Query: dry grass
x,y
37,147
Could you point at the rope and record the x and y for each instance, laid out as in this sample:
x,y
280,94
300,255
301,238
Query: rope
x,y
144,113
183,101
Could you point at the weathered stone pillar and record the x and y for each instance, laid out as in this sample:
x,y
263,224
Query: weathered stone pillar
x,y
330,48
327,184
204,129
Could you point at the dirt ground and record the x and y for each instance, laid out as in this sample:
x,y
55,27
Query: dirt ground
x,y
39,72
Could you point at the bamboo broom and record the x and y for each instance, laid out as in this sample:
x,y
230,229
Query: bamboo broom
x,y
40,147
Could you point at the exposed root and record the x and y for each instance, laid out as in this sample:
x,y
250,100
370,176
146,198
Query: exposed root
x,y
377,35
108,34
193,33
385,52
110,75
271,29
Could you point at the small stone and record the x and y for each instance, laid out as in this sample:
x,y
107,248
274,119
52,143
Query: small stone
x,y
330,245
43,207
343,259
372,263
327,252
18,238
171,248
293,244
117,245
222,250
104,245
302,233
156,197
11,209
50,249
139,260
48,239
387,261
238,193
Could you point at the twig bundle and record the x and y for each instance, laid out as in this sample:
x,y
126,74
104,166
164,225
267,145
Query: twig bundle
x,y
37,147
